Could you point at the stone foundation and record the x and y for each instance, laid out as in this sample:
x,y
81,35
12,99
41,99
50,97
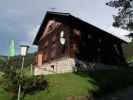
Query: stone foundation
x,y
62,65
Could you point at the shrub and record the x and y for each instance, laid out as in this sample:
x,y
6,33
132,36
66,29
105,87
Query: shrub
x,y
33,84
12,78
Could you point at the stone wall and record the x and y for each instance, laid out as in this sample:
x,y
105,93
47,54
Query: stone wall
x,y
61,65
64,65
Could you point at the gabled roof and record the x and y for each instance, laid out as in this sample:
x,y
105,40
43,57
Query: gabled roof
x,y
70,19
130,35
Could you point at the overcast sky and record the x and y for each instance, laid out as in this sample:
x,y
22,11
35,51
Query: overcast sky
x,y
20,19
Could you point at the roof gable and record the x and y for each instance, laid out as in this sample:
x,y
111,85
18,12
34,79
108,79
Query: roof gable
x,y
70,19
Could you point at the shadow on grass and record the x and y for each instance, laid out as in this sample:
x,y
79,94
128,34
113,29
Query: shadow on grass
x,y
109,81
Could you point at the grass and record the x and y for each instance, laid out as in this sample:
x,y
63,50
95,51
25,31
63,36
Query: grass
x,y
77,84
63,86
3,94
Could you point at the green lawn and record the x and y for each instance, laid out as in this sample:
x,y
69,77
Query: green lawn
x,y
62,86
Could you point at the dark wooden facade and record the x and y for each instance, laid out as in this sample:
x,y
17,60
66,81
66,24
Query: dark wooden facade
x,y
83,41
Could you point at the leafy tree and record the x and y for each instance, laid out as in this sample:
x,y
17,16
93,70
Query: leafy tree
x,y
124,18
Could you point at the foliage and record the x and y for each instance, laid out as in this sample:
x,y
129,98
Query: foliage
x,y
13,77
124,18
128,50
111,81
61,87
16,60
64,86
34,84
30,59
2,61
100,82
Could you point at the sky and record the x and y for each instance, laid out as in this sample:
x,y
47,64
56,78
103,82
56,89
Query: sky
x,y
21,19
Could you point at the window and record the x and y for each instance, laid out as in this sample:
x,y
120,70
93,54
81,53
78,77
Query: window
x,y
62,34
62,38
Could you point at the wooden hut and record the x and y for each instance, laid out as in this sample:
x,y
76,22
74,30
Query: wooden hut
x,y
62,38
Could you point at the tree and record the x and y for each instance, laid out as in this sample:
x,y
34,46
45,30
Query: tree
x,y
124,18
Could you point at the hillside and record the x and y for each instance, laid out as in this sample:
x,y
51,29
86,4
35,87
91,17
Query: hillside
x,y
16,60
29,59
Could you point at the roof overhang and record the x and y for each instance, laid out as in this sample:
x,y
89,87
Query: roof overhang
x,y
70,18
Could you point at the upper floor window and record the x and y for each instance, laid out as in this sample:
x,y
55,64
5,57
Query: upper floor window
x,y
62,38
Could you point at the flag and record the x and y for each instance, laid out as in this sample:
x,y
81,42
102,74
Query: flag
x,y
11,49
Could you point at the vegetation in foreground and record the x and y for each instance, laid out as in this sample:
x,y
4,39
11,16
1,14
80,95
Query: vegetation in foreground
x,y
110,81
13,77
63,86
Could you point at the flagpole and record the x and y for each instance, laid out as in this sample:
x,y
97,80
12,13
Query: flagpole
x,y
19,90
24,49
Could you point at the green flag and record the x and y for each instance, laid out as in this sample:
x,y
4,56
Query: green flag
x,y
11,49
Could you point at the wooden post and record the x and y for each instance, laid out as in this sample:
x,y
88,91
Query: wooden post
x,y
31,68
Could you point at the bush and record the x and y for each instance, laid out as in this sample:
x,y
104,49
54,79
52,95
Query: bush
x,y
33,84
12,78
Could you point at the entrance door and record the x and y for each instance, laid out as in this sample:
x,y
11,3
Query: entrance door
x,y
40,59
